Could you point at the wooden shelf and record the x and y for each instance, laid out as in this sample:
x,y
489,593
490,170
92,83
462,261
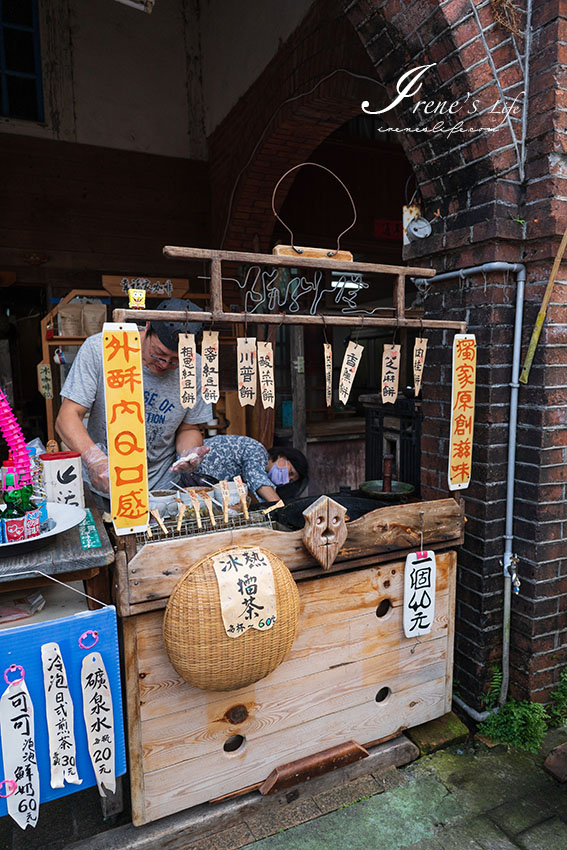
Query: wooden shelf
x,y
66,340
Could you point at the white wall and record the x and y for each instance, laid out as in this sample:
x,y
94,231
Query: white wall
x,y
116,77
238,40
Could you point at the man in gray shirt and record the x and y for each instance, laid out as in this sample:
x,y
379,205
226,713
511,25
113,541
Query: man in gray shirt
x,y
171,430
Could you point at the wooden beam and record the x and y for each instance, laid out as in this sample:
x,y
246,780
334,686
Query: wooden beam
x,y
298,260
122,315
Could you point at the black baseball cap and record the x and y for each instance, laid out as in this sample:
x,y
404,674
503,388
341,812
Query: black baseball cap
x,y
168,332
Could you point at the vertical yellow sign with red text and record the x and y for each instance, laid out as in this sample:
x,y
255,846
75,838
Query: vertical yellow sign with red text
x,y
462,411
125,427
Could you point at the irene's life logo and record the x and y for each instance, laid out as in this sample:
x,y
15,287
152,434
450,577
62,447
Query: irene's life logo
x,y
462,110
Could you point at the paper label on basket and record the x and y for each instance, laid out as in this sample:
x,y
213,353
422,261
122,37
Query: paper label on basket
x,y
60,715
187,354
99,721
125,420
419,593
419,352
351,361
328,358
19,753
246,367
210,366
266,372
390,373
247,591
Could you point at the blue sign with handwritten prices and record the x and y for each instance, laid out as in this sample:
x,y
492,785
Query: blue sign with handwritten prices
x,y
72,643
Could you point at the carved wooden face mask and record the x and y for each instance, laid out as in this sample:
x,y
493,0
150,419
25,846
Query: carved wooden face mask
x,y
325,530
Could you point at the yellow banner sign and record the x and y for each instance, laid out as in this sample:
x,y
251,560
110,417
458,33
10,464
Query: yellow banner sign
x,y
462,411
125,427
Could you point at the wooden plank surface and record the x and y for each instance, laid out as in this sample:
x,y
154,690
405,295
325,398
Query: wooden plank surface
x,y
156,569
322,694
174,788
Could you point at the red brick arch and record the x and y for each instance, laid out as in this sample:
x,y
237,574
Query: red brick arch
x,y
302,96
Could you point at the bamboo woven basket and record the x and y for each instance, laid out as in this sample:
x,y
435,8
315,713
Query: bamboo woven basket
x,y
196,641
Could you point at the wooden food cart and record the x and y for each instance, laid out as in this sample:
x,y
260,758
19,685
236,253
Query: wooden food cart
x,y
351,677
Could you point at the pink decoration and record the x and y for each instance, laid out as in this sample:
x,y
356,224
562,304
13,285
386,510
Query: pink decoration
x,y
12,433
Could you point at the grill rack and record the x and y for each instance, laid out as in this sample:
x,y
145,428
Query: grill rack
x,y
189,527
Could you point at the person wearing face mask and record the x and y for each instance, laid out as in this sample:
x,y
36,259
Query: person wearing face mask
x,y
270,475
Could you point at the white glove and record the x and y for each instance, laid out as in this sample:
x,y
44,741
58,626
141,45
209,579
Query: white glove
x,y
99,473
190,461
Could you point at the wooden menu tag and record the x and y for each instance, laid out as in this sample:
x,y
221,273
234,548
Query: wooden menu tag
x,y
419,352
246,368
210,366
225,499
351,361
390,373
242,493
196,507
266,372
187,354
328,357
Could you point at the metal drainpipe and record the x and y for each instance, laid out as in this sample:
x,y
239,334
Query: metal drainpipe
x,y
509,560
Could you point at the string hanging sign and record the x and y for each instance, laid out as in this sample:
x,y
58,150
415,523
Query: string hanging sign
x,y
19,758
328,359
419,352
266,372
462,411
246,366
60,718
210,366
187,355
349,367
390,373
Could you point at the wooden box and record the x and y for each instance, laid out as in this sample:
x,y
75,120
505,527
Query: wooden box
x,y
350,675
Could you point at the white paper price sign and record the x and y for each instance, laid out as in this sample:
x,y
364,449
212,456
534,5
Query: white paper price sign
x,y
247,591
60,718
419,593
18,749
99,721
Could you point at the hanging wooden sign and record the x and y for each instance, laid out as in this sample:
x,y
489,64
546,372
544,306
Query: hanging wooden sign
x,y
350,364
18,748
187,355
266,372
462,411
125,427
419,593
60,718
390,373
99,721
210,366
247,591
419,352
45,380
246,368
328,358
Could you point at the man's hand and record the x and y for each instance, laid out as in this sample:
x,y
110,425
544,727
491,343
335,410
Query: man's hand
x,y
190,461
97,464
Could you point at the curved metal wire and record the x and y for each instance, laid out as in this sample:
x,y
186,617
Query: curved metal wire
x,y
324,167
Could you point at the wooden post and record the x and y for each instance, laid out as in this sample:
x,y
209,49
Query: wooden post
x,y
297,358
216,286
400,296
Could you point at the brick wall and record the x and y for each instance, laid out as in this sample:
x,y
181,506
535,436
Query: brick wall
x,y
489,210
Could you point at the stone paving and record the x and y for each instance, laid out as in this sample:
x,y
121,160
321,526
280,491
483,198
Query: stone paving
x,y
468,797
